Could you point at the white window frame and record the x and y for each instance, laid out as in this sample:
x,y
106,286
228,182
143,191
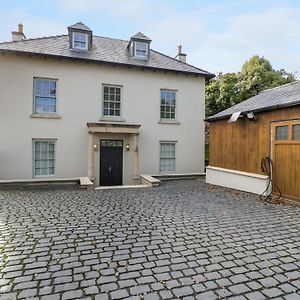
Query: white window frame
x,y
160,105
34,141
113,117
73,40
35,79
136,43
160,158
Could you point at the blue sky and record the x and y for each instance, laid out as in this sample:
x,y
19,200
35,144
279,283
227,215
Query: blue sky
x,y
217,35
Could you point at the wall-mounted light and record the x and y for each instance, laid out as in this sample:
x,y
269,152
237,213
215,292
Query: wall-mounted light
x,y
95,146
251,116
127,147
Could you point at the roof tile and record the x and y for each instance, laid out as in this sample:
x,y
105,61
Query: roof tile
x,y
106,50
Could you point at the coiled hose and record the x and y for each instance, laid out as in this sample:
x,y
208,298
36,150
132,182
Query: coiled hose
x,y
267,167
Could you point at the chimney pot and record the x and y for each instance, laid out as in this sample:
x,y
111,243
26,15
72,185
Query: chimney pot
x,y
20,28
18,35
179,49
181,56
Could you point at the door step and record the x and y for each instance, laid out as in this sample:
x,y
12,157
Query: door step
x,y
114,187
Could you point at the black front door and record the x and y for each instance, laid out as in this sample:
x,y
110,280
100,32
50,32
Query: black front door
x,y
111,162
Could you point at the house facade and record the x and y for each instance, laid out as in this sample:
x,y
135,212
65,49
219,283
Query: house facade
x,y
81,105
264,127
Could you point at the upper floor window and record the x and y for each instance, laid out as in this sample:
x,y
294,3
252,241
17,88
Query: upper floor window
x,y
141,49
43,157
45,96
111,100
80,41
168,104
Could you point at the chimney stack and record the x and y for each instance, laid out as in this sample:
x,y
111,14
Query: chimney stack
x,y
181,56
18,35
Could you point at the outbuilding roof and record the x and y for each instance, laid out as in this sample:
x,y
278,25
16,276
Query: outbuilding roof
x,y
278,97
104,50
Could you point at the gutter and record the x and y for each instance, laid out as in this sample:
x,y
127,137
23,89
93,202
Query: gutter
x,y
87,60
258,110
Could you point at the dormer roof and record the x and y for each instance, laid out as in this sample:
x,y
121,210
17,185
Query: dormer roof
x,y
79,26
140,36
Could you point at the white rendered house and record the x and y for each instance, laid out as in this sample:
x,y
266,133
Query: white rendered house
x,y
82,105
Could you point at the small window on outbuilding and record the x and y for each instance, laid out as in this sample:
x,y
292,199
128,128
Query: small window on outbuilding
x,y
282,133
296,132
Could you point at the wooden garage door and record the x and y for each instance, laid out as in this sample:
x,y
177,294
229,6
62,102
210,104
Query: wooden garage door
x,y
286,157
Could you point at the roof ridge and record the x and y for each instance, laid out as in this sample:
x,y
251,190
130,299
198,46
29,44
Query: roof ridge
x,y
111,38
181,61
34,39
58,35
279,86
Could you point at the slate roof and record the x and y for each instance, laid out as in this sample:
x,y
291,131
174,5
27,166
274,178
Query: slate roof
x,y
80,26
279,97
140,36
104,50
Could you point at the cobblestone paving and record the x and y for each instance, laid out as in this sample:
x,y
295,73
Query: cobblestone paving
x,y
183,240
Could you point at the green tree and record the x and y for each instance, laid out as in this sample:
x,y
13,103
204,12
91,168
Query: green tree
x,y
221,93
256,75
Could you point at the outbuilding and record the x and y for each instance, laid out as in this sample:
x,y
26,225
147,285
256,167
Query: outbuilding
x,y
266,126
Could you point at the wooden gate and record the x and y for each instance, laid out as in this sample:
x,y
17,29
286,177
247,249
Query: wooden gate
x,y
286,157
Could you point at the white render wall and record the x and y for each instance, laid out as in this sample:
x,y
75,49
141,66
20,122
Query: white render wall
x,y
79,100
238,180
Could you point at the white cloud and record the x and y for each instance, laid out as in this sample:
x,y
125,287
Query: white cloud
x,y
273,34
124,9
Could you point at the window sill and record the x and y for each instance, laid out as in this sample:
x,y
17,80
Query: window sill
x,y
112,119
141,57
163,121
45,116
79,49
38,177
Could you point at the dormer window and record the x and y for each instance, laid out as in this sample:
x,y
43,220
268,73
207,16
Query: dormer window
x,y
80,41
139,46
80,36
141,49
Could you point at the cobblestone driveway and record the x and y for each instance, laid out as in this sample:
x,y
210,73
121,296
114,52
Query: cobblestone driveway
x,y
183,240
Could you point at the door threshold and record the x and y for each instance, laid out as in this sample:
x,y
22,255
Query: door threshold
x,y
113,187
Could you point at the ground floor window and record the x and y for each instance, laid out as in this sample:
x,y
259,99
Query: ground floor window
x,y
43,157
167,157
